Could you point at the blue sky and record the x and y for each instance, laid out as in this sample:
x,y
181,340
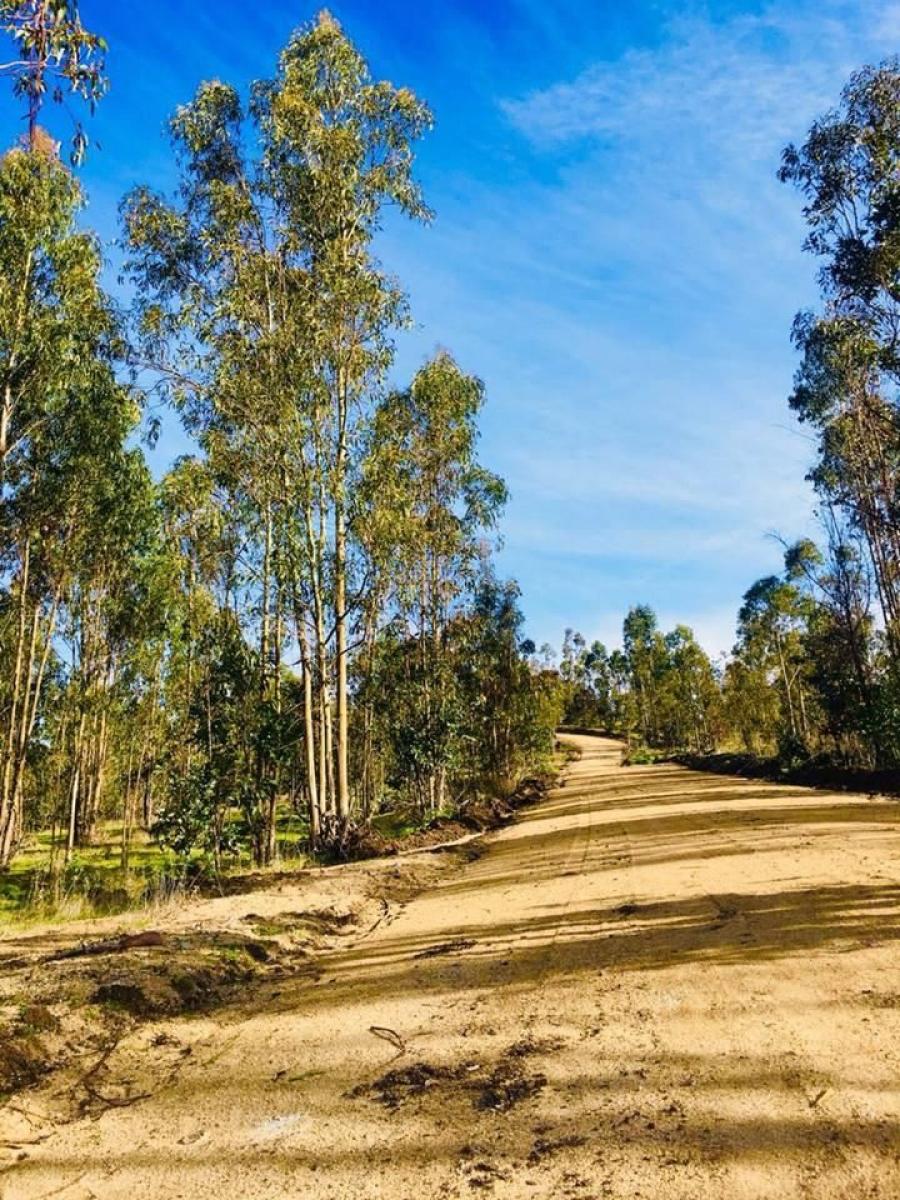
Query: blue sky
x,y
612,255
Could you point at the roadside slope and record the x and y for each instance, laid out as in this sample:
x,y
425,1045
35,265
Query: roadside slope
x,y
656,983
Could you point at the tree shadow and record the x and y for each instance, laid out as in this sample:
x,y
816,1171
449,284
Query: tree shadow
x,y
691,1111
691,818
677,1112
723,930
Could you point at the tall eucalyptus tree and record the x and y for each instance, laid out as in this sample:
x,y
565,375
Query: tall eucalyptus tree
x,y
54,54
846,386
339,150
64,418
264,310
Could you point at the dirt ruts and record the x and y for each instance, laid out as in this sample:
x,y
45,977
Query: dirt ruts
x,y
656,983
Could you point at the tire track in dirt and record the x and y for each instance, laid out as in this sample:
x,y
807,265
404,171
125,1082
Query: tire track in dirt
x,y
685,961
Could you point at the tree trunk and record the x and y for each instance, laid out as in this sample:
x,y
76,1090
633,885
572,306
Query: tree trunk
x,y
312,783
340,618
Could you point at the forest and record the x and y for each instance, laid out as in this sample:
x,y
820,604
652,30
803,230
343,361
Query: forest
x,y
298,626
814,675
297,630
322,875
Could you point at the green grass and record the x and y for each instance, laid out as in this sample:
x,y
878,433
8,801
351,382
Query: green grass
x,y
268,928
39,884
641,755
399,823
38,881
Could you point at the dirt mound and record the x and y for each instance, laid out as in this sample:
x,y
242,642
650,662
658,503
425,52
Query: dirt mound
x,y
23,1060
176,987
68,992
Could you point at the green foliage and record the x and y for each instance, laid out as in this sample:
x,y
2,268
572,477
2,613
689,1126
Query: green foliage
x,y
644,756
659,689
298,625
76,505
492,717
846,389
54,54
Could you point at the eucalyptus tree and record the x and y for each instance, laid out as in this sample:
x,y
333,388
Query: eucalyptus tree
x,y
110,608
427,491
846,656
54,54
751,705
810,672
601,682
510,711
143,735
199,537
586,672
268,317
201,544
52,507
772,624
219,321
644,651
571,663
846,385
57,382
64,418
339,150
689,695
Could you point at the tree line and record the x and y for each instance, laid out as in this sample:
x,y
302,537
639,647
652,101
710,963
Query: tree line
x,y
815,672
300,617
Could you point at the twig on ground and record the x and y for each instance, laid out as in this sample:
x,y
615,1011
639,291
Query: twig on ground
x,y
389,1035
128,941
115,1101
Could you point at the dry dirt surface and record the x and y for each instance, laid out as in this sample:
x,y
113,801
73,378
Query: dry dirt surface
x,y
656,983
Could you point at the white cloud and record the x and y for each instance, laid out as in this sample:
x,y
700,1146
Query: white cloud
x,y
628,296
739,86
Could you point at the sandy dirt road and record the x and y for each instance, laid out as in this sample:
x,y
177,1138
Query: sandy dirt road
x,y
656,983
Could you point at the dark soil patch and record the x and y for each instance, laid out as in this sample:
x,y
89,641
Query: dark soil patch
x,y
880,999
177,987
506,1087
397,1086
529,1045
454,947
483,1175
493,1088
23,1060
545,1147
141,998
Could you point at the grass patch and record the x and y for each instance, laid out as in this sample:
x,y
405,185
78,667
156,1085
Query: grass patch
x,y
40,885
640,755
399,823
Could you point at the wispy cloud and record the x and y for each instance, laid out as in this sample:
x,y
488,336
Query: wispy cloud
x,y
648,265
738,85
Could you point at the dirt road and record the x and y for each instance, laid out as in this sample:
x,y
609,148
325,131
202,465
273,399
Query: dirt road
x,y
656,984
